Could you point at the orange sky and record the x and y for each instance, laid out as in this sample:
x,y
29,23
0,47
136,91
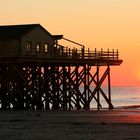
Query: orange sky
x,y
95,23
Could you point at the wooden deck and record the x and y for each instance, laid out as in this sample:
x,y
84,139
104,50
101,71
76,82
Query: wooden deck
x,y
65,56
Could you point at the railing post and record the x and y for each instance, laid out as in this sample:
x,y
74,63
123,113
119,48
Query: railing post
x,y
113,54
108,54
117,54
66,51
62,51
95,53
59,51
88,53
76,53
83,51
101,53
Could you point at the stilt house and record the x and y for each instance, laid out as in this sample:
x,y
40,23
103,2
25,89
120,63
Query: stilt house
x,y
26,40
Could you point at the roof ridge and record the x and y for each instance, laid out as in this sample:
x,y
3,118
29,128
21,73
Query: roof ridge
x,y
16,31
19,25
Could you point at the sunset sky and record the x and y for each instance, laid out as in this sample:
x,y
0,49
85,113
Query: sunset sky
x,y
113,24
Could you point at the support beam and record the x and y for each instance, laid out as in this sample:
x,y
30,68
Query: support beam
x,y
98,87
109,89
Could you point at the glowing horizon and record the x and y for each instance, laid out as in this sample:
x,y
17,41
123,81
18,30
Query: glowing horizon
x,y
96,24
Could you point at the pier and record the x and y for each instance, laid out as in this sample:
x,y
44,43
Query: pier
x,y
53,79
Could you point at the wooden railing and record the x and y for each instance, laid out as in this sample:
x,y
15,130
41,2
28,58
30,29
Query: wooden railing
x,y
64,52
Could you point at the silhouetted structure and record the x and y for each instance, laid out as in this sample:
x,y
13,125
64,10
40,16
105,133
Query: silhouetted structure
x,y
38,73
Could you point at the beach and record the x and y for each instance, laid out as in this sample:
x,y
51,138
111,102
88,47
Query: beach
x,y
70,125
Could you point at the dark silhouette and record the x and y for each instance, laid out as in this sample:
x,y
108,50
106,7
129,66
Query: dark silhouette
x,y
38,73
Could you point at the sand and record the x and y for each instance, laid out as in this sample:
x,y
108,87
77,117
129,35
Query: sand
x,y
70,125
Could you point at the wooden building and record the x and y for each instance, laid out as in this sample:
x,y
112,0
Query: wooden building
x,y
23,40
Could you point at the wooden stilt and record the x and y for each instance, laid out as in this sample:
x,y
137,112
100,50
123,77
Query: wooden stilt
x,y
109,88
98,87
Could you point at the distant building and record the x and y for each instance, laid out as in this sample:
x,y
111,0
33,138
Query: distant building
x,y
26,40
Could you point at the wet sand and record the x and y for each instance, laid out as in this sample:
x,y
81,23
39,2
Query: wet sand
x,y
70,125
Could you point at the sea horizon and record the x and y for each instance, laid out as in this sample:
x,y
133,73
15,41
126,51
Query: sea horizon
x,y
122,97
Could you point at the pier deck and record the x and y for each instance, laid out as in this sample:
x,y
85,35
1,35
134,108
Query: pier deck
x,y
39,82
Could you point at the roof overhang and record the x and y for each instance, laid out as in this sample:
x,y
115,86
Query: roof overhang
x,y
57,37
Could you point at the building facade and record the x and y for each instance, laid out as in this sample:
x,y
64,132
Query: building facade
x,y
26,40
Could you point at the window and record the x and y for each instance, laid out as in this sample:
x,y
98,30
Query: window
x,y
38,47
46,46
28,46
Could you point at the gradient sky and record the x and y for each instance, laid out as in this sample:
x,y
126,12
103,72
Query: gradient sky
x,y
113,24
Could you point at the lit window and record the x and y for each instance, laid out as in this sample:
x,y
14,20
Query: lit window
x,y
46,48
28,46
38,47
